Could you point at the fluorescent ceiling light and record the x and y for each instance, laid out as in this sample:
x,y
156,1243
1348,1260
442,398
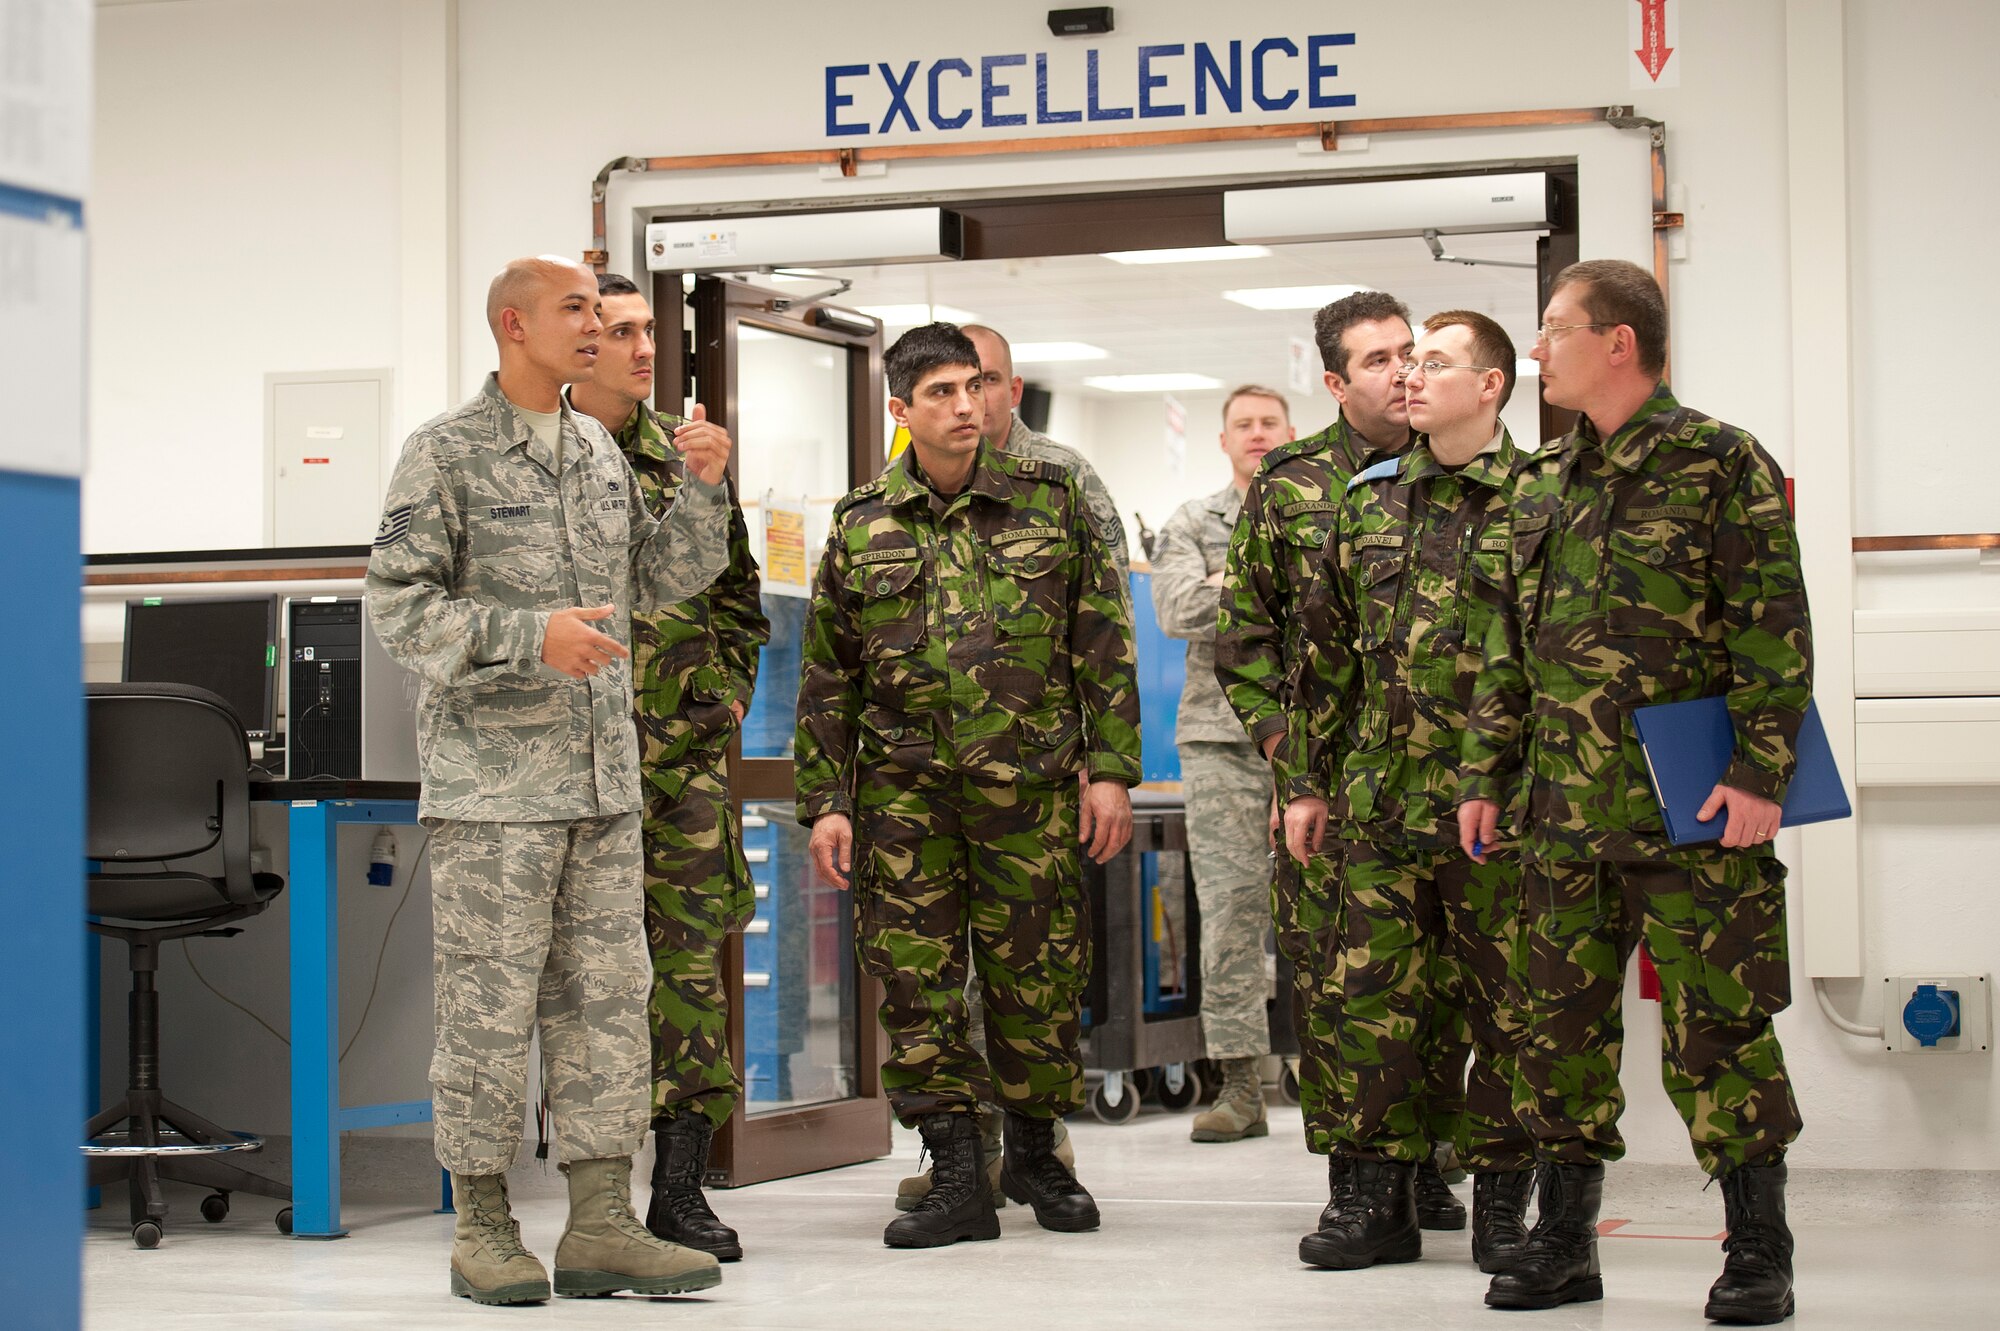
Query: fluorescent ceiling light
x,y
1035,353
909,316
1198,254
1290,298
1152,383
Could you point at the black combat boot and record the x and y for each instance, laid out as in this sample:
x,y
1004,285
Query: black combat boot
x,y
957,1205
1436,1207
1377,1221
1756,1283
1500,1218
1558,1263
679,1213
1339,1180
1031,1173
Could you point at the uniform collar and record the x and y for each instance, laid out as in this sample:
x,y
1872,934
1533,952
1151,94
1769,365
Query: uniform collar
x,y
511,429
1489,467
1635,440
1226,504
645,435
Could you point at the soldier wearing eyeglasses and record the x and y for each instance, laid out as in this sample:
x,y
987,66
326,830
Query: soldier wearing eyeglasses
x,y
1653,559
1389,644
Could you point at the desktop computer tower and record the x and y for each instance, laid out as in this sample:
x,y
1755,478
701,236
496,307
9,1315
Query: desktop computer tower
x,y
350,711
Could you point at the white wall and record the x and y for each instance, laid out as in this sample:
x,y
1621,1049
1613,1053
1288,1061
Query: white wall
x,y
248,173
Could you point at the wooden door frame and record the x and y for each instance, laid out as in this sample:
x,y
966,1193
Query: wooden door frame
x,y
785,1142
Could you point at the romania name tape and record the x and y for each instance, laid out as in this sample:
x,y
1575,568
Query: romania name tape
x,y
1166,82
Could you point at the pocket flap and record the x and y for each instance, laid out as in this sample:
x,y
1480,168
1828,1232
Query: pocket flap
x,y
1050,732
886,579
893,727
1379,568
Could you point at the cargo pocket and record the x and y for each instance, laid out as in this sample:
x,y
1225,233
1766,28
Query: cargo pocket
x,y
524,739
1745,955
1363,767
474,1117
904,742
1052,746
1656,579
1024,585
892,609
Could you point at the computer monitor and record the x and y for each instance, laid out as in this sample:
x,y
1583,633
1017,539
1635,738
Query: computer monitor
x,y
225,644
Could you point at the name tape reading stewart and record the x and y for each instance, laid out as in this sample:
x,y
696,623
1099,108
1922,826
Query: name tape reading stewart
x,y
1172,81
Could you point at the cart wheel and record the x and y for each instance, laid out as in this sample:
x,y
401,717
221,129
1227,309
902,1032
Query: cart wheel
x,y
215,1207
1124,1111
1140,1081
285,1221
1288,1083
1211,1079
1189,1092
147,1234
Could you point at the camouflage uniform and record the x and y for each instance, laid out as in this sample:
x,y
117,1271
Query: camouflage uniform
x,y
966,658
531,778
1022,442
1226,782
1272,556
1389,641
689,663
1657,566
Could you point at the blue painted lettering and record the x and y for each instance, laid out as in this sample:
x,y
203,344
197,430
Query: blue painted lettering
x,y
1148,81
1207,71
1044,116
835,99
938,71
1263,49
1097,111
992,90
1319,71
899,97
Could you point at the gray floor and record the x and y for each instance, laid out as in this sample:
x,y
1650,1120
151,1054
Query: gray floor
x,y
1193,1236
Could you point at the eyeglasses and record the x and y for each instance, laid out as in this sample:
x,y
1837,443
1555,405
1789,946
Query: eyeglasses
x,y
1431,367
1548,332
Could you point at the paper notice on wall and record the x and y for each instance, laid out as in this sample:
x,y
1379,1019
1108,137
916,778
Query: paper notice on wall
x,y
1653,43
1175,439
785,572
1301,366
45,67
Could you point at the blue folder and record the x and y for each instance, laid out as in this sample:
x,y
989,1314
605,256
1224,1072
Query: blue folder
x,y
1689,745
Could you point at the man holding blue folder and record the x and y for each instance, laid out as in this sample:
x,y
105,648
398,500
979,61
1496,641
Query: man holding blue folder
x,y
1653,560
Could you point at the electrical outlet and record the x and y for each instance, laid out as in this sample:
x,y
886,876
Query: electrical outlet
x,y
1937,1014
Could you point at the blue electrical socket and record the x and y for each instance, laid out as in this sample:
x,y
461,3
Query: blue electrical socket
x,y
1931,1014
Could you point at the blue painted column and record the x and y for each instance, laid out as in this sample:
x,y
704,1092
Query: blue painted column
x,y
42,1000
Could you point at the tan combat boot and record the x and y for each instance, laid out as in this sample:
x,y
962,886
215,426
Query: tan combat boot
x,y
605,1249
1239,1107
912,1189
488,1263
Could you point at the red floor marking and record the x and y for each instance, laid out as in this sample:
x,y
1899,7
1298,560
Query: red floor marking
x,y
1616,1229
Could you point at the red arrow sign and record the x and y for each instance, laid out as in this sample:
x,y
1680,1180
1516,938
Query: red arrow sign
x,y
1653,50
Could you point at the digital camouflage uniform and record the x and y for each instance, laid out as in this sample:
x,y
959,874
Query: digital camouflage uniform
x,y
1657,566
1225,781
530,778
966,658
1272,557
689,663
1390,637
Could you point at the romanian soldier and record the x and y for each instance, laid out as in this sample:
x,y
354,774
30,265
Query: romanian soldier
x,y
1389,647
1653,560
1226,781
1004,431
693,667
509,530
967,658
1363,341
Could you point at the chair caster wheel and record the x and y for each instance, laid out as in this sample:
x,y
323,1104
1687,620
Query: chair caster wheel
x,y
215,1207
147,1234
285,1221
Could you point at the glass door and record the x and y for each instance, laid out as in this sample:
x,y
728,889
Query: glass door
x,y
799,388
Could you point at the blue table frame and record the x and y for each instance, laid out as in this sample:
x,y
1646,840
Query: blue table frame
x,y
318,1117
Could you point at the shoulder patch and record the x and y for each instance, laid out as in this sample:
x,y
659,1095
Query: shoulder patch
x,y
866,490
1034,469
1382,470
395,526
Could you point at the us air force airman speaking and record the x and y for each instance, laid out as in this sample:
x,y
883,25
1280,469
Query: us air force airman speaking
x,y
1653,560
1389,646
966,660
694,665
510,528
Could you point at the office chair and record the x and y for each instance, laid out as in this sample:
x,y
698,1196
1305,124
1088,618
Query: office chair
x,y
169,791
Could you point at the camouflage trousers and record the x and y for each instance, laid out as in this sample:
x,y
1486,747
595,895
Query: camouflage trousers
x,y
537,923
1306,905
1227,788
698,892
1716,934
960,871
1415,919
